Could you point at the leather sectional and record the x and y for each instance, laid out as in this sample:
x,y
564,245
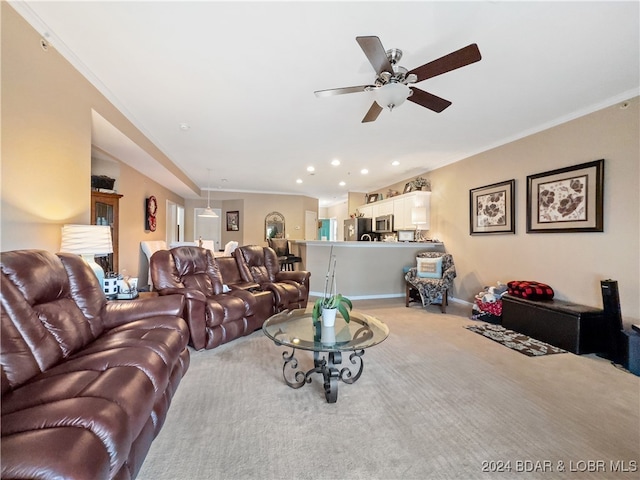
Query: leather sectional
x,y
227,297
86,383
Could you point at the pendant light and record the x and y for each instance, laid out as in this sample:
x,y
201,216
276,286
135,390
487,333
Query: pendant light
x,y
208,212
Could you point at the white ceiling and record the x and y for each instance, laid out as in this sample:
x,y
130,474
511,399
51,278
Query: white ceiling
x,y
242,76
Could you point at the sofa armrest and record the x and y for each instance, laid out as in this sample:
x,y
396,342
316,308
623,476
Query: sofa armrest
x,y
299,276
194,313
124,311
187,293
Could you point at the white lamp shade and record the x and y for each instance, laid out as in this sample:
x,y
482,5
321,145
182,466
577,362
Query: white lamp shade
x,y
87,239
392,95
208,213
419,215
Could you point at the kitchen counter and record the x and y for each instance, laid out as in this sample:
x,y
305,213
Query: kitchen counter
x,y
364,269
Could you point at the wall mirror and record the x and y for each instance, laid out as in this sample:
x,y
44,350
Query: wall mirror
x,y
274,225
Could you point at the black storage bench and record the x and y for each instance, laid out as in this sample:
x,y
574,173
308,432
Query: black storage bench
x,y
572,327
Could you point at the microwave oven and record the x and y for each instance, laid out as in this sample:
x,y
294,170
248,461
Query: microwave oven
x,y
383,224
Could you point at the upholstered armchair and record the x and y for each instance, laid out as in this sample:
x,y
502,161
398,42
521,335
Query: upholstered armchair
x,y
214,315
432,277
260,264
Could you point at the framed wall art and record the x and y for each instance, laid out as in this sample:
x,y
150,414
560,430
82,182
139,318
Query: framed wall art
x,y
566,200
373,197
151,208
233,221
492,208
408,187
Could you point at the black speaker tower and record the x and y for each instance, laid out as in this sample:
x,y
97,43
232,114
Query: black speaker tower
x,y
613,320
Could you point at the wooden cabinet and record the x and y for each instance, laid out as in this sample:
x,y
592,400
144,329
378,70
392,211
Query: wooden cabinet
x,y
104,211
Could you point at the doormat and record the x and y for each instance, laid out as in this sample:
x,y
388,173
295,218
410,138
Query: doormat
x,y
515,341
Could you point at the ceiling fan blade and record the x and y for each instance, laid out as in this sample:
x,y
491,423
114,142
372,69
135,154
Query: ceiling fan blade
x,y
428,100
373,113
459,58
373,49
340,91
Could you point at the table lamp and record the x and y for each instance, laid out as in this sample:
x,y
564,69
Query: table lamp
x,y
419,217
88,241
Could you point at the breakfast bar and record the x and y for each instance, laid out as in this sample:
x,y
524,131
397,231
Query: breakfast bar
x,y
364,270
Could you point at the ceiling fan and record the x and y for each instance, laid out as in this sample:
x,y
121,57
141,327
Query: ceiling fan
x,y
391,85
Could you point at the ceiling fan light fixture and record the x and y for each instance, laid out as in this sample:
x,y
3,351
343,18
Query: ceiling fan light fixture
x,y
392,95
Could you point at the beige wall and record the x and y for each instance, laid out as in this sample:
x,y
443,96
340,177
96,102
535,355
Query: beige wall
x,y
572,263
253,208
46,149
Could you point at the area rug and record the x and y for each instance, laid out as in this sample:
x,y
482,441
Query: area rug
x,y
515,341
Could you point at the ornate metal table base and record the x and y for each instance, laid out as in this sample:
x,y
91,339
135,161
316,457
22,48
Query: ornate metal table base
x,y
327,366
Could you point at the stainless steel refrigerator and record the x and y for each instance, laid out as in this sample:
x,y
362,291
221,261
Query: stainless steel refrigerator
x,y
354,228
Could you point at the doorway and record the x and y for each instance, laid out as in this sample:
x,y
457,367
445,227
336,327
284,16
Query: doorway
x,y
310,225
175,223
207,228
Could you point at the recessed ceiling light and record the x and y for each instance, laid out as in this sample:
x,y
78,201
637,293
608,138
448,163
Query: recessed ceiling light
x,y
335,162
311,169
342,184
364,171
298,180
184,126
395,163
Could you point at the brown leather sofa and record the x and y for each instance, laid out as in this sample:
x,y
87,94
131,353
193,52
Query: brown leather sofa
x,y
215,314
86,383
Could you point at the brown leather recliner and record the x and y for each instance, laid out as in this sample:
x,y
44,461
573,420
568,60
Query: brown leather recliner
x,y
86,383
260,265
213,315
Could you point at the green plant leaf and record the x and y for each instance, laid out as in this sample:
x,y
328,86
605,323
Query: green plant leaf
x,y
317,309
348,302
344,312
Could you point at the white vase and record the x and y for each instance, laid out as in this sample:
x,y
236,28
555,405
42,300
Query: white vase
x,y
328,335
329,317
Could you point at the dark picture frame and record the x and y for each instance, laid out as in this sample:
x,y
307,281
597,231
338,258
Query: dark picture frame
x,y
373,197
233,221
408,187
569,199
492,208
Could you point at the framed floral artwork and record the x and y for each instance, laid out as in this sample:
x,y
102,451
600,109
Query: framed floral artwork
x,y
492,208
566,200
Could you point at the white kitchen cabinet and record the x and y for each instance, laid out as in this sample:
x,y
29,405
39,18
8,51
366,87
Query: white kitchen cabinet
x,y
366,210
400,206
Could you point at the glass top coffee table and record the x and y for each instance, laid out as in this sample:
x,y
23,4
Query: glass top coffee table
x,y
295,329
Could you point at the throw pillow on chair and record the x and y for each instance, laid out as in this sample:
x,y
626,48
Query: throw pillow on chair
x,y
429,267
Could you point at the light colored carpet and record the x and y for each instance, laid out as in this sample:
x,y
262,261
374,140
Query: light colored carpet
x,y
435,401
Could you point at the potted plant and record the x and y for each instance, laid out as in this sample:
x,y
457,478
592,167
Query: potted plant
x,y
331,301
421,183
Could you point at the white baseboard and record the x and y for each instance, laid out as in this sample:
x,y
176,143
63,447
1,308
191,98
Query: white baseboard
x,y
390,295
